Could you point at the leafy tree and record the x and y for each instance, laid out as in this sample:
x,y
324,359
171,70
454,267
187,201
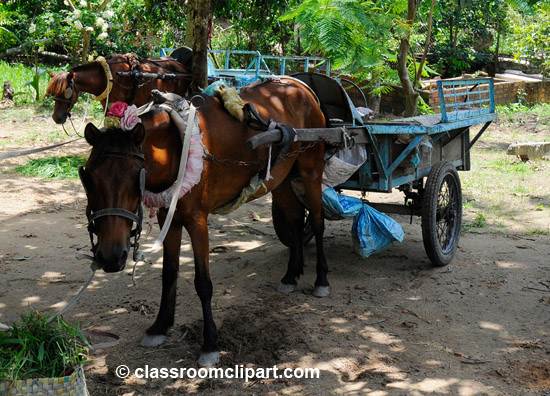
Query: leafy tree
x,y
364,38
465,32
529,32
255,25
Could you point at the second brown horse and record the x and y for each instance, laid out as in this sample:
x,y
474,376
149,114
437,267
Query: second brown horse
x,y
66,87
111,181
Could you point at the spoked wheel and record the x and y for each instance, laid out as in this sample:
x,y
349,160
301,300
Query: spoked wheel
x,y
442,213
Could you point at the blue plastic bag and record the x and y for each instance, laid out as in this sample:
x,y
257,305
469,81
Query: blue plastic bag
x,y
374,231
339,206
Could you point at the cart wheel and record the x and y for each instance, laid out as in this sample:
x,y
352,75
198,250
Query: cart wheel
x,y
442,213
308,230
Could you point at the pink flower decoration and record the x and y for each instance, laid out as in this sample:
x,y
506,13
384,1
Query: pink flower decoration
x,y
130,118
117,109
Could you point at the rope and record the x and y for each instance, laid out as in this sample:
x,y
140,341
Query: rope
x,y
78,294
73,300
19,153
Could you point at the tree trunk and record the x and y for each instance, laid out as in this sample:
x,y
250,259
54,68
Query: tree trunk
x,y
85,45
426,45
409,93
497,50
199,17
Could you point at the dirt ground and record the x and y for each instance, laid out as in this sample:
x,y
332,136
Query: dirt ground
x,y
392,326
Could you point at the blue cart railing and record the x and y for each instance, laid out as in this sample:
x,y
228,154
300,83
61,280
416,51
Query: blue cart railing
x,y
244,67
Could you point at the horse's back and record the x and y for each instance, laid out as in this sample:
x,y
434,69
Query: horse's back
x,y
286,100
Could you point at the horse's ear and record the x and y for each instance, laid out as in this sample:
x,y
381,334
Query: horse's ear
x,y
91,133
51,73
70,76
138,134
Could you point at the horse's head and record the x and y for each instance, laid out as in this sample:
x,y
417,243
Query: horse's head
x,y
114,180
62,88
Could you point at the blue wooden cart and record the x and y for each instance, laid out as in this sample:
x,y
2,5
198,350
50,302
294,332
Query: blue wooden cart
x,y
419,156
242,67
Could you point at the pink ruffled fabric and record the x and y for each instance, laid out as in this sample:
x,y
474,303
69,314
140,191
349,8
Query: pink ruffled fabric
x,y
192,176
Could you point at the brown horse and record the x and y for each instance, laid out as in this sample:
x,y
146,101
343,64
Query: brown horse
x,y
65,87
111,180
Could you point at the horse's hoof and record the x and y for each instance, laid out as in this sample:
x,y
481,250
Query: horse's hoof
x,y
286,288
151,341
321,291
209,359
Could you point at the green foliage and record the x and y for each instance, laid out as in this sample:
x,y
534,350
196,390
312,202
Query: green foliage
x,y
355,35
34,348
359,37
28,82
479,221
112,25
254,25
510,112
465,32
529,35
423,107
53,167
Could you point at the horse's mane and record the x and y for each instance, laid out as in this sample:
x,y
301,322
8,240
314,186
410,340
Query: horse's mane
x,y
57,85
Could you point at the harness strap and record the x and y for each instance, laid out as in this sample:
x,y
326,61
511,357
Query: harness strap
x,y
190,128
108,75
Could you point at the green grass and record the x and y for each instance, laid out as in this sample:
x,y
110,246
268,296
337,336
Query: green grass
x,y
34,348
520,189
508,166
53,167
539,232
20,76
479,221
510,112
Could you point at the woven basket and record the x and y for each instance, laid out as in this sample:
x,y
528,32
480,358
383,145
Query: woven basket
x,y
71,385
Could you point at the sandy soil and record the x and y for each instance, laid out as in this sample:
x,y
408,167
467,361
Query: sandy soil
x,y
393,325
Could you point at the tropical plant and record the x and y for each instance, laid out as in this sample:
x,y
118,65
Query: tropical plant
x,y
371,40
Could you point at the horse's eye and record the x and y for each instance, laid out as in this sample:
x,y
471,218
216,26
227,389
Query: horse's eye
x,y
68,93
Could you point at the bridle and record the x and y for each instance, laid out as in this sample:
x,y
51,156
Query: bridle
x,y
67,93
136,217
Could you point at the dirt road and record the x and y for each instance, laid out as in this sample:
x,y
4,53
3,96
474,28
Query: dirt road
x,y
393,325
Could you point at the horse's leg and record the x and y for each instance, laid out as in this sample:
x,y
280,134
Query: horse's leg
x,y
311,166
197,227
288,220
156,334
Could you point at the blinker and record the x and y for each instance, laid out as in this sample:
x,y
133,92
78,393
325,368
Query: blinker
x,y
68,93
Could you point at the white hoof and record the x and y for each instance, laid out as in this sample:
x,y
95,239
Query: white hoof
x,y
151,341
209,359
286,289
321,291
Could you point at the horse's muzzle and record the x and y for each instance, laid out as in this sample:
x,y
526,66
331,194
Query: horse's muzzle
x,y
60,118
114,261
